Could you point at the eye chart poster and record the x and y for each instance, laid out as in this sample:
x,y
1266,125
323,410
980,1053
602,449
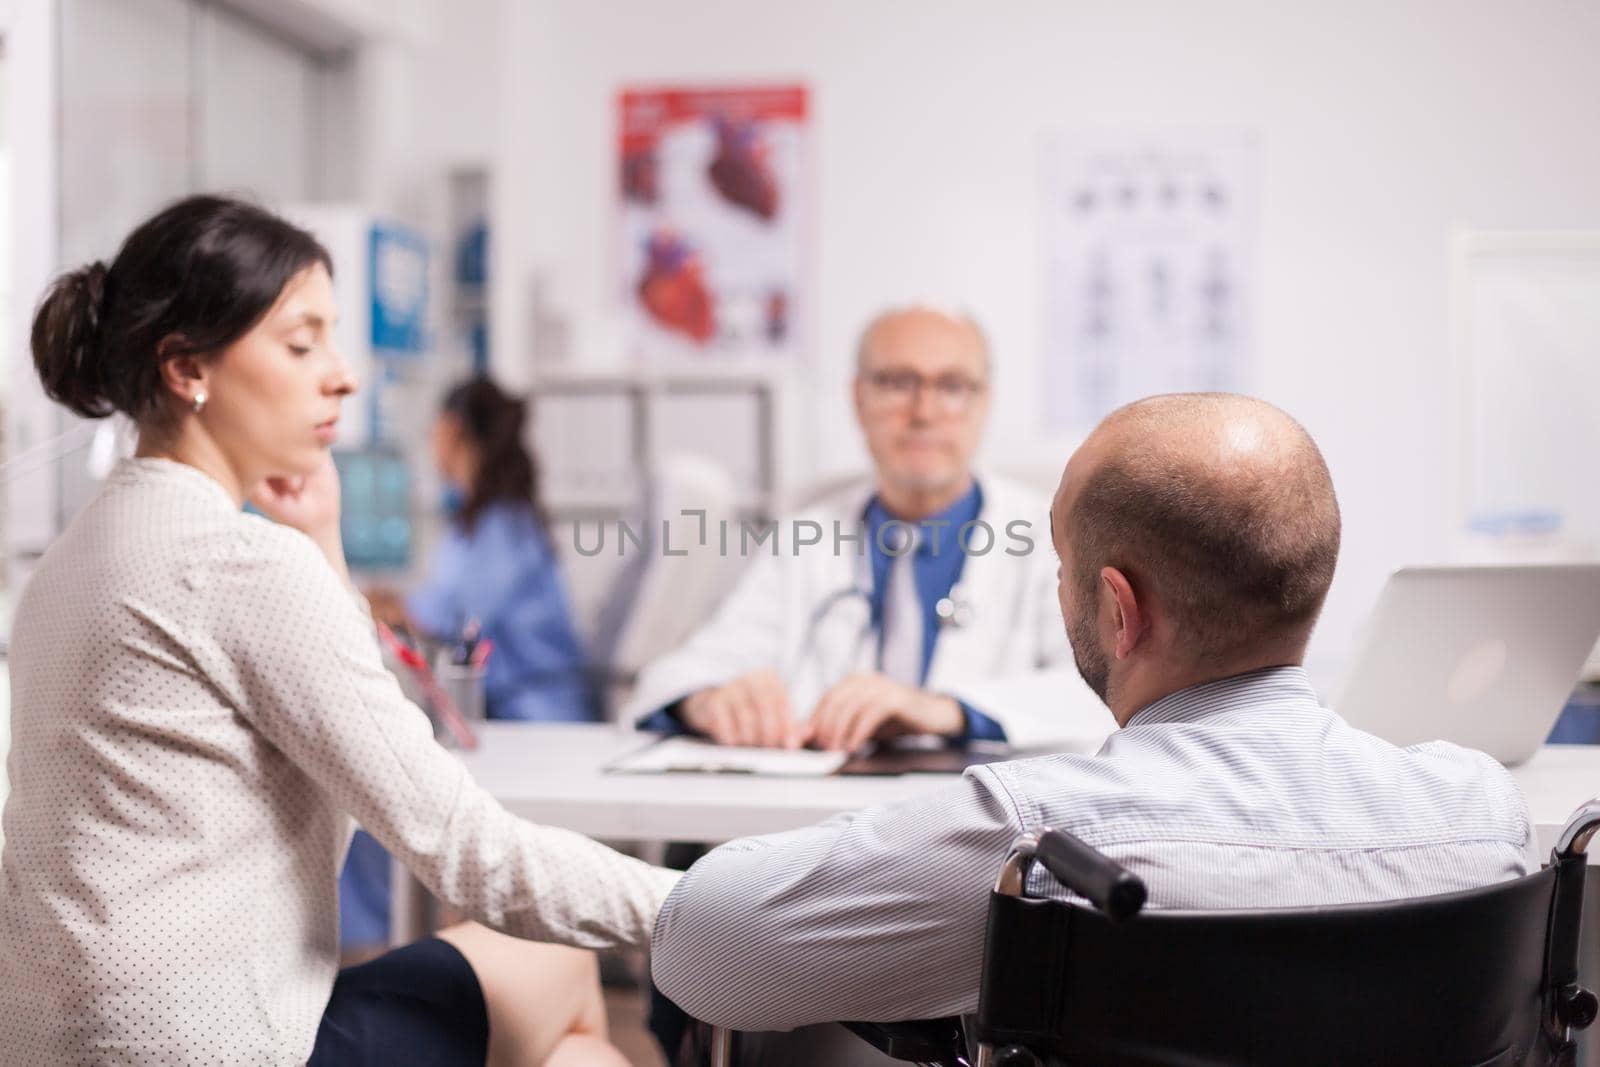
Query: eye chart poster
x,y
1148,268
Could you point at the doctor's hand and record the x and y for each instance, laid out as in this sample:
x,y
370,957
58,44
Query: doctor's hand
x,y
869,706
750,710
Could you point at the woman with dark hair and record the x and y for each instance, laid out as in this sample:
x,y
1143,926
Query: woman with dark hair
x,y
495,573
200,712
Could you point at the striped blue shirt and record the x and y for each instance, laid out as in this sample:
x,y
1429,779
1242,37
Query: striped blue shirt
x,y
1240,793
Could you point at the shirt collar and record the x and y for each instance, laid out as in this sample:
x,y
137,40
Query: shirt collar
x,y
136,469
1242,692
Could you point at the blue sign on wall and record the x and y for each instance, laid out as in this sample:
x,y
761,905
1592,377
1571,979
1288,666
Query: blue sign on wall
x,y
399,268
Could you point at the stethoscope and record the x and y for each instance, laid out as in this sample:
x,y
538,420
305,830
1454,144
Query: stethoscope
x,y
953,611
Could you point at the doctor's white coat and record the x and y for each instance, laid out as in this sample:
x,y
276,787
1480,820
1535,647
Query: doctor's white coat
x,y
799,610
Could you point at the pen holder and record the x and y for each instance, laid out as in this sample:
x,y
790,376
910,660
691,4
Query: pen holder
x,y
463,684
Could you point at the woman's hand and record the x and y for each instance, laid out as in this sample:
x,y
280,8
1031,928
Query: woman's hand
x,y
310,504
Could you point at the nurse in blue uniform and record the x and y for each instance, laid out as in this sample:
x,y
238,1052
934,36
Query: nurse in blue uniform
x,y
496,568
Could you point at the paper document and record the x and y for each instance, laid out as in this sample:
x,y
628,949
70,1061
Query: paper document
x,y
687,755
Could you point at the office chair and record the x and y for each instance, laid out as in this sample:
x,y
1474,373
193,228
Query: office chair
x,y
1481,978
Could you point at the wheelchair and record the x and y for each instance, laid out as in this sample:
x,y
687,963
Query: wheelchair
x,y
1487,977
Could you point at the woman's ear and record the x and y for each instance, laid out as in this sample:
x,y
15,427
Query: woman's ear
x,y
183,373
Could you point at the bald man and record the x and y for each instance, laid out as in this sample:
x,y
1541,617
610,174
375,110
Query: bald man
x,y
918,601
1197,538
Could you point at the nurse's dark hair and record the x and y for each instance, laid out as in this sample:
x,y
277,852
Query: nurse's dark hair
x,y
189,281
494,421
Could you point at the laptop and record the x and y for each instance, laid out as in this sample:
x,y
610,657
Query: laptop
x,y
1484,656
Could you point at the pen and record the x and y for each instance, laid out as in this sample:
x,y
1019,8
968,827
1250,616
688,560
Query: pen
x,y
467,647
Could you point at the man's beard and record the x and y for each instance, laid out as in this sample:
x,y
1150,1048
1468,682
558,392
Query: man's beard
x,y
1094,666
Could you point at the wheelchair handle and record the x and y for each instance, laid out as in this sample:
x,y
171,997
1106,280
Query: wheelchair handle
x,y
1580,828
1102,881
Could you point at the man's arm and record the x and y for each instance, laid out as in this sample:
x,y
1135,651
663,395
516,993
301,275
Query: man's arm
x,y
877,915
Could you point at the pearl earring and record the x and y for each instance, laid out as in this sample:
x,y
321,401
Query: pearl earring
x,y
199,401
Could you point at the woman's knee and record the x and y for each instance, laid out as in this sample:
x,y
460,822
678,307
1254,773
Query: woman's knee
x,y
516,975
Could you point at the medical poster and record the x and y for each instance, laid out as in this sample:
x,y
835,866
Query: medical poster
x,y
1148,268
714,213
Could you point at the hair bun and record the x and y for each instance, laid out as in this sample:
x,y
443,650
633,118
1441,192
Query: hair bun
x,y
92,279
66,341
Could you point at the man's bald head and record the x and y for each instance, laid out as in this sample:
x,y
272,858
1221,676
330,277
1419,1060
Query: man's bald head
x,y
1220,505
923,325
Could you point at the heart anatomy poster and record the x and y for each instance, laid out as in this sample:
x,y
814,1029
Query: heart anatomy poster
x,y
715,208
1148,268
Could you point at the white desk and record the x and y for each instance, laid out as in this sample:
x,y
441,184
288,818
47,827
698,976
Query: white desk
x,y
552,774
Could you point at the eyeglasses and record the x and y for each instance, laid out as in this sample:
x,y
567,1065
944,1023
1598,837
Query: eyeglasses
x,y
897,389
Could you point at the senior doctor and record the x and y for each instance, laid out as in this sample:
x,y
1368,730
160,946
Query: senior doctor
x,y
921,601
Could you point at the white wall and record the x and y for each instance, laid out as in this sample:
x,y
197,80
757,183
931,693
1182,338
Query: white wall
x,y
28,71
31,419
459,97
1382,125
